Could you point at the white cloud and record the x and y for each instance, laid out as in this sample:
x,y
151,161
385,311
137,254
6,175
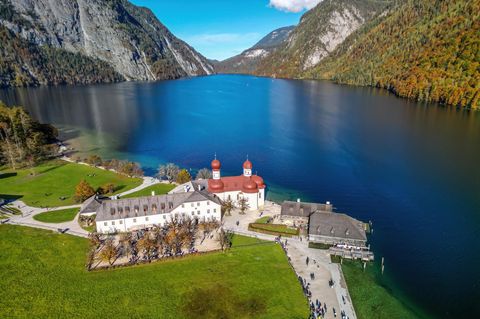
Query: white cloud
x,y
294,5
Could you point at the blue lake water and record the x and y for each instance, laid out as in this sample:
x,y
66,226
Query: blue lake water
x,y
412,169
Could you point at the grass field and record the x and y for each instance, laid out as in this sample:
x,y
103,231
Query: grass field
x,y
56,179
371,300
159,189
43,275
262,220
274,229
57,216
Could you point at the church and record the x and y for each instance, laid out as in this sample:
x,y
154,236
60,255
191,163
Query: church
x,y
248,186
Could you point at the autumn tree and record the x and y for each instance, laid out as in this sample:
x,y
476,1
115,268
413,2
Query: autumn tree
x,y
109,252
183,176
108,188
83,191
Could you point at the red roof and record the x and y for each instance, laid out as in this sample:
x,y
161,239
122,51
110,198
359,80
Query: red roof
x,y
237,183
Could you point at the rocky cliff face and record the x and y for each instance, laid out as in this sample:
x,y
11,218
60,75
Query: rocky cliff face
x,y
319,32
128,39
248,60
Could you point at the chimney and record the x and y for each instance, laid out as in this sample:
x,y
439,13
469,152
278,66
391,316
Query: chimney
x,y
153,193
199,187
298,200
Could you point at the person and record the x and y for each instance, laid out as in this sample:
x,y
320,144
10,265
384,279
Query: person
x,y
307,260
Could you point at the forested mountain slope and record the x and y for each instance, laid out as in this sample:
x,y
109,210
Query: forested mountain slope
x,y
319,33
85,41
427,50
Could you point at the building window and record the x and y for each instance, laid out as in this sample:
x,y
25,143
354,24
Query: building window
x,y
113,223
154,207
164,216
120,222
208,211
146,219
135,208
193,204
134,220
162,205
105,224
193,213
145,208
208,203
198,204
183,205
198,213
214,210
170,205
259,194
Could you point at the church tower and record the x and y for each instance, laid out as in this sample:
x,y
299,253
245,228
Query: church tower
x,y
247,168
216,168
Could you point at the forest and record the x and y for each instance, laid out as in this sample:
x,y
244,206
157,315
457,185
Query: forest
x,y
23,141
428,50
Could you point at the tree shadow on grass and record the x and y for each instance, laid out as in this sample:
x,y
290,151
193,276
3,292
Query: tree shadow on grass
x,y
219,301
7,175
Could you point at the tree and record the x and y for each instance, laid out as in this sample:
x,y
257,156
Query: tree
x,y
94,160
109,252
130,169
224,238
227,207
169,171
24,141
243,205
204,173
124,241
183,176
83,191
108,188
146,244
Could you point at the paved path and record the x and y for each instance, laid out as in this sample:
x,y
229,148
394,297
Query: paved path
x,y
297,250
26,219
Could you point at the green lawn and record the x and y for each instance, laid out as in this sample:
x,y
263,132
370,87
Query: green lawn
x,y
43,275
55,179
370,299
262,220
57,216
157,188
274,229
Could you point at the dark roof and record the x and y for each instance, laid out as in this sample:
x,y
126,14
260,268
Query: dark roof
x,y
301,209
336,225
149,205
91,205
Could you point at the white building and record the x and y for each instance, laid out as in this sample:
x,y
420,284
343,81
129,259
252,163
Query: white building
x,y
248,186
129,214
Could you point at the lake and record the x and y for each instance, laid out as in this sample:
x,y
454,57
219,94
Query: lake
x,y
410,168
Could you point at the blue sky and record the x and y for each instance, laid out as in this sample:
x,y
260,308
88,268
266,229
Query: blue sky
x,y
222,28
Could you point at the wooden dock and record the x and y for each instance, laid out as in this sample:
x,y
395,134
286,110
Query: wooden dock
x,y
364,254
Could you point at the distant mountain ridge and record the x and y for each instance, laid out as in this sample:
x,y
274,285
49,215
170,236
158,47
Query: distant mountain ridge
x,y
89,41
247,61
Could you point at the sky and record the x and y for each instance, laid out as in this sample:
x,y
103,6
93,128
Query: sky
x,y
219,29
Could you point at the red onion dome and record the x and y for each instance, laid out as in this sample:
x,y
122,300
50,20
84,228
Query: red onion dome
x,y
258,180
216,164
215,185
249,186
247,164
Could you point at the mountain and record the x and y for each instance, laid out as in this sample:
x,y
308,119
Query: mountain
x,y
247,61
318,34
89,41
428,50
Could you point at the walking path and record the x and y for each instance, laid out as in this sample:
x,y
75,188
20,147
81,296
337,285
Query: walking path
x,y
297,250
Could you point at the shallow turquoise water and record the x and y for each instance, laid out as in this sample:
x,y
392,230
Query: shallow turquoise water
x,y
412,169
